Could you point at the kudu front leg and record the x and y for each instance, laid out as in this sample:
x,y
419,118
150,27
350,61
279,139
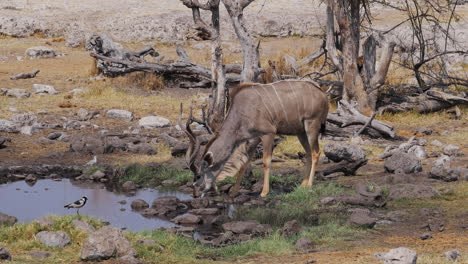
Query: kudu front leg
x,y
267,141
239,176
313,129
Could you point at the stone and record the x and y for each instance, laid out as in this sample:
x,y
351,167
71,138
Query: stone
x,y
26,119
445,174
83,226
424,130
150,122
45,222
399,255
436,143
89,144
403,162
342,151
304,244
187,219
129,186
54,238
120,114
40,52
27,130
4,254
425,236
107,242
7,220
139,204
452,255
8,126
362,217
44,89
141,148
452,150
41,254
291,228
418,151
204,211
18,93
443,161
97,175
30,178
55,135
83,114
246,227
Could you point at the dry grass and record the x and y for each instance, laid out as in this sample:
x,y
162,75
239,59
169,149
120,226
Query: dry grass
x,y
139,80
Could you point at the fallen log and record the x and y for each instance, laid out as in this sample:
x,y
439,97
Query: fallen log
x,y
25,75
346,167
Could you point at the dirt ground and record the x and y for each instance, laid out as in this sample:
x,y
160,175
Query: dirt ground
x,y
75,70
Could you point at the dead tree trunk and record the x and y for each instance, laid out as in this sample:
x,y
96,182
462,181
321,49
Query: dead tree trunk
x,y
251,67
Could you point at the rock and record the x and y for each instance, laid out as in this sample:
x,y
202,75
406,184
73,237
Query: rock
x,y
398,256
247,227
424,130
425,236
105,243
41,254
403,162
24,119
42,89
129,186
150,122
45,222
3,140
4,254
418,151
7,220
304,244
204,211
97,175
443,161
179,149
445,174
27,130
40,52
452,150
139,204
83,114
342,151
452,255
30,178
413,191
120,114
89,144
8,126
436,143
83,226
187,219
55,135
54,238
141,148
291,228
18,93
362,217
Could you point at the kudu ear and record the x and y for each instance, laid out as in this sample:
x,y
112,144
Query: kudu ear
x,y
208,158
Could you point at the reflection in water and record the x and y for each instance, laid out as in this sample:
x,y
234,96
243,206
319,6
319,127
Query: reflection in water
x,y
47,197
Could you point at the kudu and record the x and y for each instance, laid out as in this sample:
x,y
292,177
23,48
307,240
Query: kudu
x,y
261,111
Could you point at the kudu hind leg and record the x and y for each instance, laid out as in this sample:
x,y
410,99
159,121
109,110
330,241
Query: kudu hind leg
x,y
239,176
305,143
267,141
313,129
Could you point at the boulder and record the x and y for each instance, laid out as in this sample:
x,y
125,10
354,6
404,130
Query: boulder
x,y
4,254
150,122
8,126
18,93
436,143
141,148
97,175
107,242
187,219
83,226
452,255
7,220
139,204
41,254
89,144
403,162
40,52
56,135
120,114
26,119
54,238
424,130
418,151
44,89
291,228
129,186
342,151
362,217
452,150
304,244
398,256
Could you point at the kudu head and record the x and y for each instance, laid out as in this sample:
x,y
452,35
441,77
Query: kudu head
x,y
196,157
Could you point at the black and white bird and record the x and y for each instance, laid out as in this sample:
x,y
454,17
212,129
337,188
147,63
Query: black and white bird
x,y
77,204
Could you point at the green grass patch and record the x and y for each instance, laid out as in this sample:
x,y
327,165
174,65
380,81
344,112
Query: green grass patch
x,y
150,176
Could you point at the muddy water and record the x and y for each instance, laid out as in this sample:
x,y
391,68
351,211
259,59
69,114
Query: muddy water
x,y
47,197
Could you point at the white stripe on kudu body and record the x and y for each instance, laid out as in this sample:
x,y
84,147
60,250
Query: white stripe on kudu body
x,y
281,103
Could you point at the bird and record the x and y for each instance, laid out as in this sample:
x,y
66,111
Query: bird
x,y
77,204
92,162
